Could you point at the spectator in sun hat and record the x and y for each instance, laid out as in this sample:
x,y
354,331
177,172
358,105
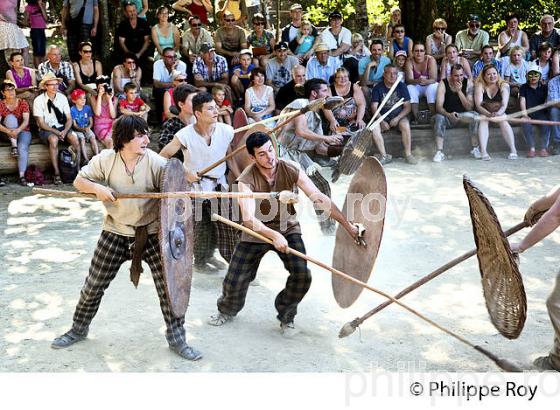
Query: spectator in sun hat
x,y
322,65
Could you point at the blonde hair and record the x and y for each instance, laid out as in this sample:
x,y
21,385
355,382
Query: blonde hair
x,y
439,21
357,37
516,48
305,23
480,79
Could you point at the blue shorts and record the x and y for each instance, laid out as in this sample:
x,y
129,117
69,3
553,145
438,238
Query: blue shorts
x,y
39,42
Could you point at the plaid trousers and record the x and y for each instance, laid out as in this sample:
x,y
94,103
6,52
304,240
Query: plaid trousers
x,y
327,224
111,252
243,270
208,234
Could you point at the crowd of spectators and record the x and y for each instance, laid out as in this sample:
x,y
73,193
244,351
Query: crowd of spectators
x,y
463,78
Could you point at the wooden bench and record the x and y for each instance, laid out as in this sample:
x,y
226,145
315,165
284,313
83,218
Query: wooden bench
x,y
457,142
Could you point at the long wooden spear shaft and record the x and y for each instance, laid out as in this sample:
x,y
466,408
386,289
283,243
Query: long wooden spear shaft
x,y
351,327
502,363
283,196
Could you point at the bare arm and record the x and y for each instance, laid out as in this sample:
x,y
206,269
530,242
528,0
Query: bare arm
x,y
546,225
179,5
167,106
171,148
155,40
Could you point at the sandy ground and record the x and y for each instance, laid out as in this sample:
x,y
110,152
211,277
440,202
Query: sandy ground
x,y
47,244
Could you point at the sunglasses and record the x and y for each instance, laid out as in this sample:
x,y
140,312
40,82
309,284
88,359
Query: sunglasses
x,y
533,74
440,28
171,57
196,24
229,20
258,23
87,51
474,25
399,31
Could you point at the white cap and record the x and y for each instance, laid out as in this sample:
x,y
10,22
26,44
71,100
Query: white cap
x,y
534,67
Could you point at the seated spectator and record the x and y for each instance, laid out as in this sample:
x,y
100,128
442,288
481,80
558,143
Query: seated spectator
x,y
86,70
337,38
471,40
195,8
531,94
61,69
305,40
394,21
290,32
351,113
241,74
177,78
291,90
133,104
14,124
548,34
36,18
399,61
516,70
455,108
193,38
547,62
397,118
421,77
127,72
52,114
230,39
278,69
104,110
400,42
133,36
486,57
491,96
259,98
82,122
223,104
512,36
182,96
359,49
163,71
261,41
451,58
211,69
165,34
438,40
236,9
554,95
322,65
371,68
24,78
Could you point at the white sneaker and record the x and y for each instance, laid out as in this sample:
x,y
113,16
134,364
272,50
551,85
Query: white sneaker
x,y
440,156
512,156
475,152
288,329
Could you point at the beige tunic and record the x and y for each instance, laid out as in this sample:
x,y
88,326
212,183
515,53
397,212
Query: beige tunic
x,y
123,215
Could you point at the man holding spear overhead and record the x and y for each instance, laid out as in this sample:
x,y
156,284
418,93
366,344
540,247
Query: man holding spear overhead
x,y
129,167
279,224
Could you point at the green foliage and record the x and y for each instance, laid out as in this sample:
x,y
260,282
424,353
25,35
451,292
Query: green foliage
x,y
318,11
379,11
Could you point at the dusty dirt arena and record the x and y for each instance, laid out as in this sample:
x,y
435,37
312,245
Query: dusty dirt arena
x,y
48,242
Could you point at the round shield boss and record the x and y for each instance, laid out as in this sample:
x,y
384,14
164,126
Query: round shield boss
x,y
176,238
502,284
365,203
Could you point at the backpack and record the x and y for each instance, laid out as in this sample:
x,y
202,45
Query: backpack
x,y
67,165
34,175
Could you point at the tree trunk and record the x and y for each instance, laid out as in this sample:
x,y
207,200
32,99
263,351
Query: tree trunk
x,y
361,24
417,17
106,29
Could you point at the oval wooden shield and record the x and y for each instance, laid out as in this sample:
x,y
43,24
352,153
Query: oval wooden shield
x,y
242,159
239,120
501,281
176,238
365,203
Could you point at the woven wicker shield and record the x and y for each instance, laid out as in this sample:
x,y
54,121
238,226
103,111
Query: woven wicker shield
x,y
365,204
501,281
176,238
353,153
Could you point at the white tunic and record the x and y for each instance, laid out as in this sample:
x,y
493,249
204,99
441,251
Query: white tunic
x,y
198,154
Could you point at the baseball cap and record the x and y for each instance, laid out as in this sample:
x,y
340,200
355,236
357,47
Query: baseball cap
x,y
335,15
474,17
281,46
296,6
77,93
206,47
401,53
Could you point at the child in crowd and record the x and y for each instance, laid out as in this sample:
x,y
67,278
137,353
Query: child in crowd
x,y
132,104
304,39
241,77
224,105
103,105
82,122
399,61
359,50
36,18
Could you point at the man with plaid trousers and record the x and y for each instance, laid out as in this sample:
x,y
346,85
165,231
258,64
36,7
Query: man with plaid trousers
x,y
277,222
130,167
203,143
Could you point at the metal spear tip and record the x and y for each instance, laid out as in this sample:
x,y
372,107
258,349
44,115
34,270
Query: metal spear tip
x,y
347,330
333,102
288,197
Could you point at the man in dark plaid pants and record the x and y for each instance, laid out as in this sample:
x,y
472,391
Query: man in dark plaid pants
x,y
129,168
278,222
202,144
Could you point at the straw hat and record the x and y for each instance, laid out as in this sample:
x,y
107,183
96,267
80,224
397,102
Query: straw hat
x,y
48,77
